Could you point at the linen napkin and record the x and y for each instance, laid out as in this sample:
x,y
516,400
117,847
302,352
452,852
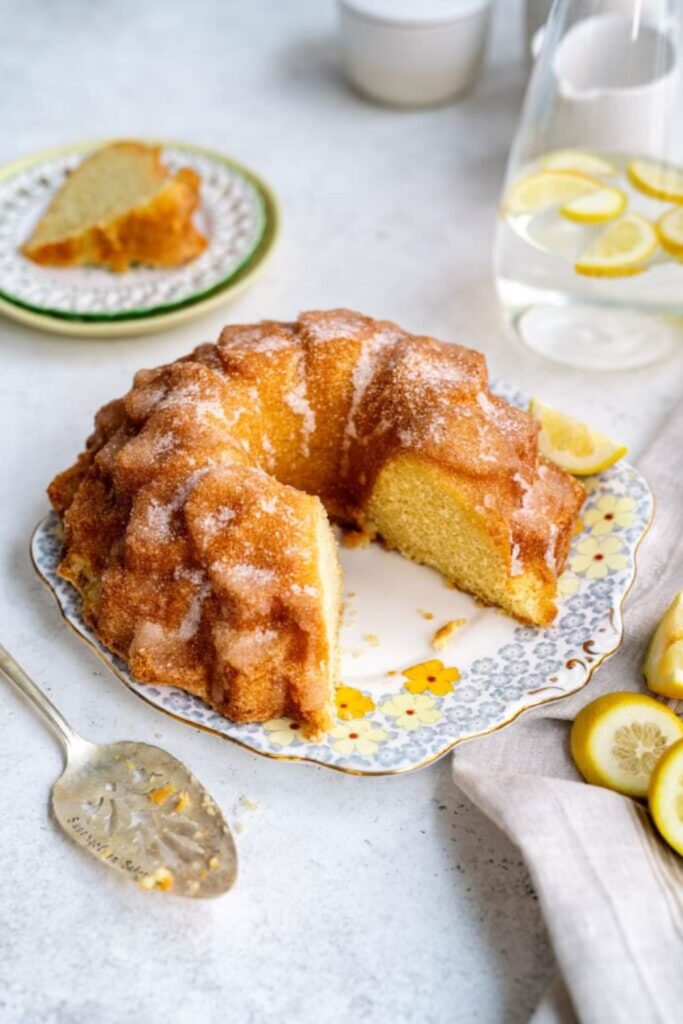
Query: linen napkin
x,y
611,892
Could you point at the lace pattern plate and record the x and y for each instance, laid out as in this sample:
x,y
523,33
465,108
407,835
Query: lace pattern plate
x,y
401,704
232,215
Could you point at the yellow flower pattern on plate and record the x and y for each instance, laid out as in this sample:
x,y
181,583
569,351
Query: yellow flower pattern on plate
x,y
411,711
595,557
360,737
609,513
352,703
567,585
431,675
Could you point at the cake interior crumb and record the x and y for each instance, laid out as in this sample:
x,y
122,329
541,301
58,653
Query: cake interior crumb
x,y
445,633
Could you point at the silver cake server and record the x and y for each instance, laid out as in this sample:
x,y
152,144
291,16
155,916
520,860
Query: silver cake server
x,y
136,808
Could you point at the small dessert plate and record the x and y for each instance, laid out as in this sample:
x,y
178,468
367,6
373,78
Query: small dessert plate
x,y
402,703
237,215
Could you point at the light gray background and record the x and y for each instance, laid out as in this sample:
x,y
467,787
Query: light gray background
x,y
370,900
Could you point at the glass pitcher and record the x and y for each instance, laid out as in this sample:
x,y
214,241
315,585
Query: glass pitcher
x,y
589,246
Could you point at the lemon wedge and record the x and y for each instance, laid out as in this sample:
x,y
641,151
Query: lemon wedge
x,y
663,668
660,180
670,231
617,740
666,796
538,192
578,160
594,207
622,248
571,444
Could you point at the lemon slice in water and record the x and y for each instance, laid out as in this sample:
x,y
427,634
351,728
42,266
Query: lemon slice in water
x,y
578,160
666,796
594,207
541,191
623,248
663,668
571,444
617,740
660,180
670,231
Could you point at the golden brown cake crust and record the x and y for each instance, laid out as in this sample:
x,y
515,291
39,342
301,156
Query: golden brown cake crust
x,y
193,520
157,233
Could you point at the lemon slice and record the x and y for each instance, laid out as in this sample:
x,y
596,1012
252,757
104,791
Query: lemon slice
x,y
663,668
622,248
617,740
660,180
578,160
666,796
670,231
540,191
571,444
594,207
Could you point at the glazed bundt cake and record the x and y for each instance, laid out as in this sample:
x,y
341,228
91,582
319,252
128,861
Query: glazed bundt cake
x,y
196,521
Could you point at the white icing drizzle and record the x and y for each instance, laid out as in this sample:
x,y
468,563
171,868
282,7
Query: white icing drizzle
x,y
363,373
516,566
550,560
213,522
297,400
189,396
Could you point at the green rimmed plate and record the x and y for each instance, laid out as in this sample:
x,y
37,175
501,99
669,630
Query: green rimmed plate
x,y
238,214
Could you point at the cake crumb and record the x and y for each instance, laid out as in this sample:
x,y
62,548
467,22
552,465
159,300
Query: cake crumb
x,y
248,803
159,879
372,639
445,633
355,538
392,672
182,803
425,615
161,795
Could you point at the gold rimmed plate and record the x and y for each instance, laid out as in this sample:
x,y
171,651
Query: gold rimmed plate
x,y
402,703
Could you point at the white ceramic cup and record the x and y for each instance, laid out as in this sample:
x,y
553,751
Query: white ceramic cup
x,y
413,53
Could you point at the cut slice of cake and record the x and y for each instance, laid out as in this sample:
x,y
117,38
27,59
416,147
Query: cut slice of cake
x,y
119,207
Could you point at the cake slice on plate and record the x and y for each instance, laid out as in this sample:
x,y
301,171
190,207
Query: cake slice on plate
x,y
120,207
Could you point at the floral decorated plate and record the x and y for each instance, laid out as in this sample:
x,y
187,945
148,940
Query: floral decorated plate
x,y
402,703
235,212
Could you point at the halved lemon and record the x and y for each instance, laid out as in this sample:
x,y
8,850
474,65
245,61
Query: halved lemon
x,y
578,160
622,248
665,796
660,180
593,207
617,740
670,231
540,191
571,444
663,668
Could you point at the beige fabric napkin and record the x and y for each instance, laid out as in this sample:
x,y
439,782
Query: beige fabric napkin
x,y
610,890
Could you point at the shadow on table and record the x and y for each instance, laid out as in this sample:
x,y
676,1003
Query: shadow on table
x,y
508,915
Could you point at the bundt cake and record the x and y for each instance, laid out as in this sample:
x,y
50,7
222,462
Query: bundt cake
x,y
195,521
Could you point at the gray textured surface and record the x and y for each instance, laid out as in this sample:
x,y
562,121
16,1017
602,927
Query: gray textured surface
x,y
376,900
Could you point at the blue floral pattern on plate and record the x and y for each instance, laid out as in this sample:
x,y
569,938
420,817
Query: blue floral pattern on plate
x,y
523,666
